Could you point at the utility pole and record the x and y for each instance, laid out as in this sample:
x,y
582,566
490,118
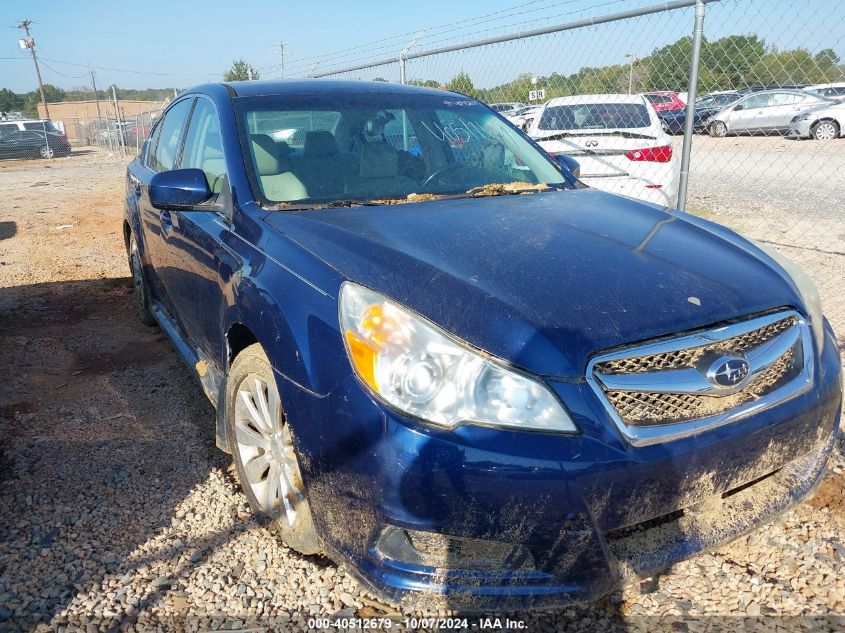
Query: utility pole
x,y
631,72
96,96
30,44
282,55
121,142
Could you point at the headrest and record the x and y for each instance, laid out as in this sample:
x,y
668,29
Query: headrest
x,y
266,158
379,160
282,149
374,126
319,143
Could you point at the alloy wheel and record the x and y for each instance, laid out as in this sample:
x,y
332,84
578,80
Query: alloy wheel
x,y
266,449
46,152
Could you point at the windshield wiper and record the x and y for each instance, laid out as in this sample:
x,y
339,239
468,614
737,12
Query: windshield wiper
x,y
622,133
331,204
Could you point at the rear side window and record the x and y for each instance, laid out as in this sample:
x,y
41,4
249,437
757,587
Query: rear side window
x,y
164,152
40,126
204,146
783,98
8,128
595,116
658,98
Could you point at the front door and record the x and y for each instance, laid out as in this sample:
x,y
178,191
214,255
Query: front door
x,y
194,242
157,224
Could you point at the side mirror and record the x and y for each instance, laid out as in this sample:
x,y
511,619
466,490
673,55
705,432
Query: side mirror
x,y
739,106
570,164
179,189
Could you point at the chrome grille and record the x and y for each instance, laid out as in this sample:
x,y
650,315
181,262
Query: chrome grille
x,y
678,359
663,390
650,408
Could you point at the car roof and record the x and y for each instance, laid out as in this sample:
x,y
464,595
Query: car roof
x,y
836,84
597,98
792,91
270,87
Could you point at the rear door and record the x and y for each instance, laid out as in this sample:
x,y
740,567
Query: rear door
x,y
193,244
165,144
782,107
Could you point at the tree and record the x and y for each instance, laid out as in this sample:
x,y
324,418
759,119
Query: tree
x,y
826,58
240,71
461,83
9,101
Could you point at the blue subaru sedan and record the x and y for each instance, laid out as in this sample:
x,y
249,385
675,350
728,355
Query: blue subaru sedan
x,y
442,361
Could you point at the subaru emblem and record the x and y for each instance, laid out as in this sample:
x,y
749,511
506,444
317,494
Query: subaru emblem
x,y
728,371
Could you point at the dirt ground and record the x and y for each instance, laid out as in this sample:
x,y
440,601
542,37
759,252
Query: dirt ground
x,y
118,513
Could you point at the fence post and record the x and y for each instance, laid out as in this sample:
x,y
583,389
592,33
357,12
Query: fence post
x,y
686,150
402,68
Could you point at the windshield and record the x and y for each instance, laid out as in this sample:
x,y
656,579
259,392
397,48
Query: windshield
x,y
382,147
595,116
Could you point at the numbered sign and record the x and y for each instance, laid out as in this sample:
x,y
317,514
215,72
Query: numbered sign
x,y
536,95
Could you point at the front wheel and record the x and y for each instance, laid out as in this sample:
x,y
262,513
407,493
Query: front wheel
x,y
825,130
264,452
718,129
46,152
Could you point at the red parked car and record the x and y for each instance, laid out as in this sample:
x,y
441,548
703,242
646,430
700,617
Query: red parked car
x,y
664,101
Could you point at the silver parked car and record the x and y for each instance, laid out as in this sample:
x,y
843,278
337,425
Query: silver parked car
x,y
766,112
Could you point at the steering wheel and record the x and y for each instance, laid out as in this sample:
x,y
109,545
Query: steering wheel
x,y
439,172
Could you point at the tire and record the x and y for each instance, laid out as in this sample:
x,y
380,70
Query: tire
x,y
718,129
139,284
826,130
264,453
46,152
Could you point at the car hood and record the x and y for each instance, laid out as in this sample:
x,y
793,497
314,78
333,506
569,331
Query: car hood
x,y
545,280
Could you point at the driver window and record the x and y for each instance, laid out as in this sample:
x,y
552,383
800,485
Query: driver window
x,y
204,146
163,157
757,101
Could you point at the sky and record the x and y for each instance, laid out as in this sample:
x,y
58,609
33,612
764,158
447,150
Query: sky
x,y
158,43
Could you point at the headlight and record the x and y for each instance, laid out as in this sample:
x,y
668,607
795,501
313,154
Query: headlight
x,y
419,369
806,288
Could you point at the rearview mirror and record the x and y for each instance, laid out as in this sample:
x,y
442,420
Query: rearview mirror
x,y
179,189
738,107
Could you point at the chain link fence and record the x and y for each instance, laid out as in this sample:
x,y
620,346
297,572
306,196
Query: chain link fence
x,y
763,133
125,136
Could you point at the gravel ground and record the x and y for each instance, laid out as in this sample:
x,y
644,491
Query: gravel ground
x,y
118,513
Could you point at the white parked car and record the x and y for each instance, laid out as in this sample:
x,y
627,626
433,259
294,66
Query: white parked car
x,y
618,141
823,122
523,117
506,108
832,91
765,112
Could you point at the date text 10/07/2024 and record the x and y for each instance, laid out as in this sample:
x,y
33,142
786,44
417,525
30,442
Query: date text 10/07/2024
x,y
412,624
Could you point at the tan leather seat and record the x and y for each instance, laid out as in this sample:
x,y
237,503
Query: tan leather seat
x,y
277,185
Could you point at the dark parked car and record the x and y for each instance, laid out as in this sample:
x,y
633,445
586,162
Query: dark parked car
x,y
673,121
33,144
475,381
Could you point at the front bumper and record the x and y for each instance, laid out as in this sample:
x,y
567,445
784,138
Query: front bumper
x,y
800,129
526,520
